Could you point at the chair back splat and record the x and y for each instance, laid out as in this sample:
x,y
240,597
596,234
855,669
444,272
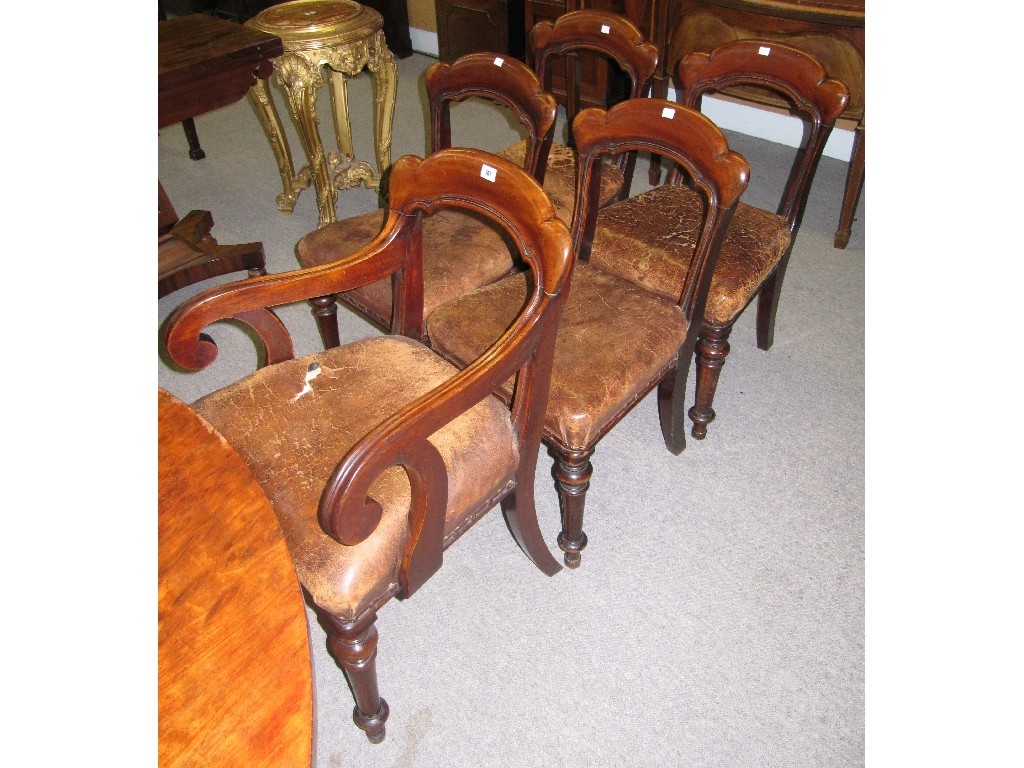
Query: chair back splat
x,y
377,455
597,32
616,342
788,72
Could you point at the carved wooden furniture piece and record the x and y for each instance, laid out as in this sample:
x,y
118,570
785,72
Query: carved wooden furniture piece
x,y
757,244
235,671
481,257
479,26
205,63
832,31
345,37
377,455
573,38
616,342
188,253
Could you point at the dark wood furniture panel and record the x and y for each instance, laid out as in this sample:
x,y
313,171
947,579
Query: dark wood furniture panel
x,y
830,30
601,82
471,26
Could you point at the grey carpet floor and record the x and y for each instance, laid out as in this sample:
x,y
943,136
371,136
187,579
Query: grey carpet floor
x,y
718,616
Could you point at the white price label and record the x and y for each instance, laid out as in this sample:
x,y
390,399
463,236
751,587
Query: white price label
x,y
489,173
498,62
605,29
668,113
764,50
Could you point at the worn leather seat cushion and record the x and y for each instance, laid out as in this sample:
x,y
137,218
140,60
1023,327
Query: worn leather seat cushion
x,y
461,251
649,241
293,445
614,340
560,177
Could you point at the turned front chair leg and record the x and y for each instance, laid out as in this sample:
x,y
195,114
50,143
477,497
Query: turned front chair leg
x,y
325,311
354,648
712,349
572,473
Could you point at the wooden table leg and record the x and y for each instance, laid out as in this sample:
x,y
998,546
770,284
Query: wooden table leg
x,y
194,150
854,185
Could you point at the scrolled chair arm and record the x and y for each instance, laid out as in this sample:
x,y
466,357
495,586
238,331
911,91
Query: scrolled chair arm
x,y
249,301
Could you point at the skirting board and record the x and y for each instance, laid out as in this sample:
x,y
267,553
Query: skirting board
x,y
742,118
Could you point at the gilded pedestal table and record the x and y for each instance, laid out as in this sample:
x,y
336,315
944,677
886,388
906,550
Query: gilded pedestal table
x,y
346,37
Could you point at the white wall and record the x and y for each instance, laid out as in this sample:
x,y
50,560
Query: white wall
x,y
742,118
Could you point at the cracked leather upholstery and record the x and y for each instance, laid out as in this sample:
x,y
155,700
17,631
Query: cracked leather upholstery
x,y
292,448
461,252
614,340
560,177
754,243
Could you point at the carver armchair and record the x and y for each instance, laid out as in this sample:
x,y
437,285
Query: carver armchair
x,y
377,455
616,341
757,244
461,251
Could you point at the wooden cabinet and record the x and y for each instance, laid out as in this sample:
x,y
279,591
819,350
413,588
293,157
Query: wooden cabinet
x,y
468,26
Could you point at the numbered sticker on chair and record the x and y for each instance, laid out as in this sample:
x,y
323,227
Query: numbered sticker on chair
x,y
764,50
489,173
605,29
668,113
499,61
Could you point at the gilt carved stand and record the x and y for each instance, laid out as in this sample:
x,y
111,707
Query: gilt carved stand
x,y
346,37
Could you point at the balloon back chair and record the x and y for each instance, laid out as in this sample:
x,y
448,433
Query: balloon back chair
x,y
572,36
377,455
460,250
616,342
757,244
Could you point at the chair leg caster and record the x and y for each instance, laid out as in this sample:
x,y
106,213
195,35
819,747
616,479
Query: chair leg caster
x,y
700,423
572,550
372,726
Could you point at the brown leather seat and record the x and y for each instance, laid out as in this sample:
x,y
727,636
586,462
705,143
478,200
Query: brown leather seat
x,y
755,243
378,455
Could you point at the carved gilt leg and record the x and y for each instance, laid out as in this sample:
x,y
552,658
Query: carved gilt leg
x,y
572,473
325,311
301,81
854,185
384,70
266,113
712,348
342,123
354,648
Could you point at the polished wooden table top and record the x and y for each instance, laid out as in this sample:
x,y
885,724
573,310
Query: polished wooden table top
x,y
235,669
206,63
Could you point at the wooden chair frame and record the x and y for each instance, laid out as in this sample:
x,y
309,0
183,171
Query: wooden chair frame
x,y
524,352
